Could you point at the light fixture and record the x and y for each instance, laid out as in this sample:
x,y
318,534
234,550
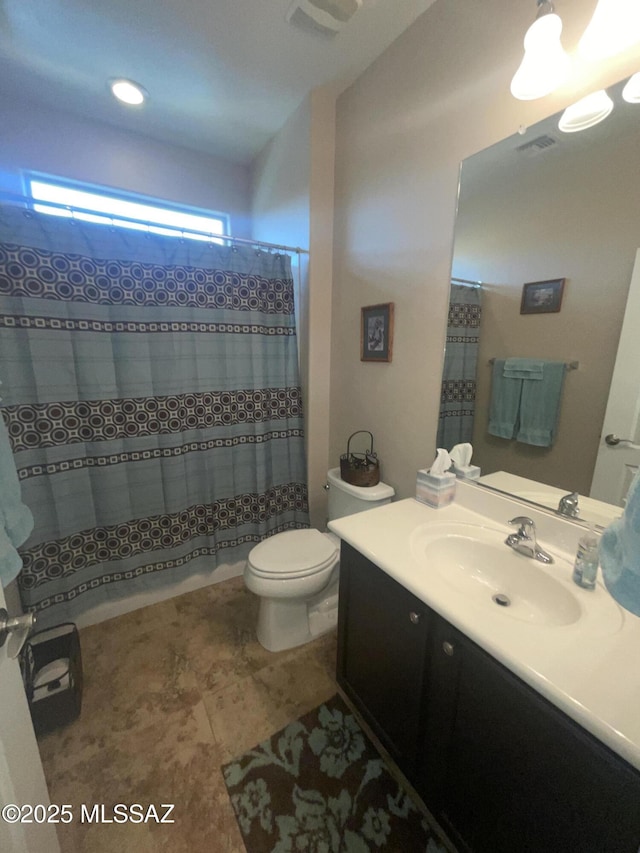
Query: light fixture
x,y
586,112
128,92
631,91
545,65
615,26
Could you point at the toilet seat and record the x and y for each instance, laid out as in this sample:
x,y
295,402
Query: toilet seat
x,y
293,554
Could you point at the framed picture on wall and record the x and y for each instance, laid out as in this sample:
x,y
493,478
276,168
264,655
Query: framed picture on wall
x,y
376,332
542,297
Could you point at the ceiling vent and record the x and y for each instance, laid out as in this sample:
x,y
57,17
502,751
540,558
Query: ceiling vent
x,y
540,143
322,16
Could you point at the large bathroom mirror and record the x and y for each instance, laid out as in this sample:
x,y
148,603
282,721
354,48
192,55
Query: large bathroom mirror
x,y
546,206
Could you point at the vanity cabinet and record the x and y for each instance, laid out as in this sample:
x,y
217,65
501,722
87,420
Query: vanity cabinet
x,y
382,650
499,766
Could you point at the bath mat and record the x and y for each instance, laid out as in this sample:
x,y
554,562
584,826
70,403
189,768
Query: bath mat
x,y
319,785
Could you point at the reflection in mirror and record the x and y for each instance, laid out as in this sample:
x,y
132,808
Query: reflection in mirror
x,y
541,207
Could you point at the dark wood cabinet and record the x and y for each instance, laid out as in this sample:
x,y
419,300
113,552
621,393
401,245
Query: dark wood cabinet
x,y
502,769
382,654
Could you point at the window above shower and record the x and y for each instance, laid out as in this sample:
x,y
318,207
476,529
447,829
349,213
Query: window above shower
x,y
104,206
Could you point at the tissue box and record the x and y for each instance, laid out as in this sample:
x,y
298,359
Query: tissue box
x,y
467,472
436,490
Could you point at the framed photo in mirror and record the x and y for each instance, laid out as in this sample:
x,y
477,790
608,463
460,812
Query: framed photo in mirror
x,y
376,332
542,297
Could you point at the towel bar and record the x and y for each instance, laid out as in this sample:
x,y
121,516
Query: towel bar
x,y
570,365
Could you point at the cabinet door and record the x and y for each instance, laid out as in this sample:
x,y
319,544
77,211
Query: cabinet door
x,y
519,774
382,638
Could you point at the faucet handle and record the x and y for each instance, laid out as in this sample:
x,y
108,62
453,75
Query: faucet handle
x,y
527,526
568,505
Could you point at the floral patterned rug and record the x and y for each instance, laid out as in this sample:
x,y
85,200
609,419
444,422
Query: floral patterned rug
x,y
319,786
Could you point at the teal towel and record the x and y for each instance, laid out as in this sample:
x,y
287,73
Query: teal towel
x,y
523,368
620,553
16,521
504,407
540,406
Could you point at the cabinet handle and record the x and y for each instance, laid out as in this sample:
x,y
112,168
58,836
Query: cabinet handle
x,y
414,617
448,648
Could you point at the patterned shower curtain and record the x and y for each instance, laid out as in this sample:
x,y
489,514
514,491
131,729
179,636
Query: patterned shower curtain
x,y
151,394
458,397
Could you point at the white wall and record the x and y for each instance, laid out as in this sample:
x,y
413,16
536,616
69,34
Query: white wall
x,y
36,138
293,204
280,183
437,95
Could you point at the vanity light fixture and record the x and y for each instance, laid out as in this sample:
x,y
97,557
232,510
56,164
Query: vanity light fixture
x,y
545,65
631,91
128,92
586,112
615,26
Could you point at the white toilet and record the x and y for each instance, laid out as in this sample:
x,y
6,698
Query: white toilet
x,y
296,573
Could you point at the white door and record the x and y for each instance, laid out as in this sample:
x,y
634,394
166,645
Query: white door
x,y
619,451
22,780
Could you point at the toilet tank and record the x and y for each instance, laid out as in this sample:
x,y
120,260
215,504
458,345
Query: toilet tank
x,y
345,499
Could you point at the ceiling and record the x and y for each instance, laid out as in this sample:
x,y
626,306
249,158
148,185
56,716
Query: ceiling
x,y
223,76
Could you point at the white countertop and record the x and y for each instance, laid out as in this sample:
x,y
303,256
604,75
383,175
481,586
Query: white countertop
x,y
589,509
593,676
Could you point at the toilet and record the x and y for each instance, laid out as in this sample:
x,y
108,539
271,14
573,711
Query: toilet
x,y
295,573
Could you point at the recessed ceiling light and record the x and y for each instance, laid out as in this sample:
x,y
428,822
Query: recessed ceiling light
x,y
128,92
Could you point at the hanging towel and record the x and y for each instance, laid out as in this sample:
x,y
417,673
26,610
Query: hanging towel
x,y
523,368
540,406
16,521
505,402
620,553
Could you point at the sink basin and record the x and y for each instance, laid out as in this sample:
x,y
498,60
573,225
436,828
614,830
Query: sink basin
x,y
475,562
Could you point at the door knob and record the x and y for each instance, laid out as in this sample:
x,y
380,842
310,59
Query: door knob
x,y
448,648
414,617
613,440
18,628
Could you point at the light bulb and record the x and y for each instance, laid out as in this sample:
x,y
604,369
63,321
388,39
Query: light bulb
x,y
128,92
545,65
586,113
615,26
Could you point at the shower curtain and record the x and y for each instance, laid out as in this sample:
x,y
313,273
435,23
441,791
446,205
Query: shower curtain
x,y
458,396
151,394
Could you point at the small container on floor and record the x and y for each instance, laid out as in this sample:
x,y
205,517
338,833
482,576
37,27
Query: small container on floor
x,y
52,666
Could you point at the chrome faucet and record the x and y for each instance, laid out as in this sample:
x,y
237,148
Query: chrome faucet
x,y
569,505
524,541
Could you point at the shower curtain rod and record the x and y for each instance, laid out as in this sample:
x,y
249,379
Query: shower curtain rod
x,y
17,200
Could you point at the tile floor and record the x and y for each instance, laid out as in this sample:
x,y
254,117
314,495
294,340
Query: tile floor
x,y
171,693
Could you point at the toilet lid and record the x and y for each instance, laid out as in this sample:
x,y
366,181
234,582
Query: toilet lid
x,y
294,553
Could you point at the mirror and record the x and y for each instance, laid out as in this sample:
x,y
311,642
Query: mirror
x,y
540,207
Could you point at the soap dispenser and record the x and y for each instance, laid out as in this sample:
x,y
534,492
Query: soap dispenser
x,y
585,568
